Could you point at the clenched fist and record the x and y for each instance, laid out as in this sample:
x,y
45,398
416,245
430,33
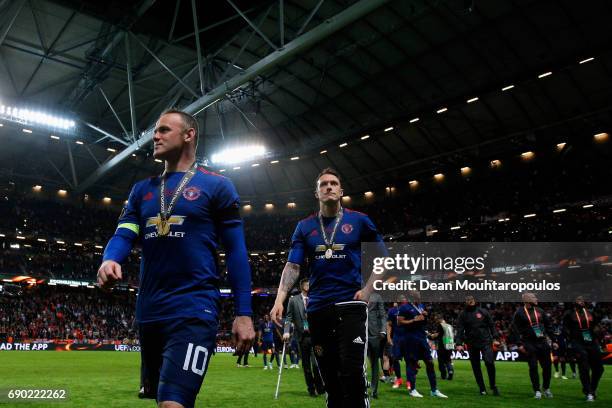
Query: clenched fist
x,y
108,274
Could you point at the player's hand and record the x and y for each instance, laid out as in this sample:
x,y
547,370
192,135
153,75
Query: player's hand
x,y
496,343
276,314
286,337
522,350
108,274
363,295
459,348
243,333
419,318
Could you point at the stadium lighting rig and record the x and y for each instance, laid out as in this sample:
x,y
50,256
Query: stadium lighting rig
x,y
33,117
239,154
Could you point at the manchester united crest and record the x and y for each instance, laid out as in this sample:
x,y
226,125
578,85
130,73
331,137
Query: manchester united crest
x,y
191,193
347,228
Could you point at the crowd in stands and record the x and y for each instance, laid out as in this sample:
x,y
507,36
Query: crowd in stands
x,y
396,217
423,212
83,315
65,313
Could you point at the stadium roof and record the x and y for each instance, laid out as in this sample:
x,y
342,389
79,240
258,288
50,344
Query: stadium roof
x,y
432,84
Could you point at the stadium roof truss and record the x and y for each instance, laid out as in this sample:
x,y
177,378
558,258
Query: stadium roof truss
x,y
301,77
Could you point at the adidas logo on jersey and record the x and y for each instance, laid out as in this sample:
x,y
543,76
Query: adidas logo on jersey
x,y
358,340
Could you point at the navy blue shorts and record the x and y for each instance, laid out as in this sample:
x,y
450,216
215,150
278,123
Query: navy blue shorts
x,y
416,349
267,346
396,349
175,356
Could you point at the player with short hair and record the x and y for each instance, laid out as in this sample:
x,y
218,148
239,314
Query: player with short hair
x,y
266,337
394,341
181,217
337,312
411,322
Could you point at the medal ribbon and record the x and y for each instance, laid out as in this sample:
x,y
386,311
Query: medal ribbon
x,y
535,312
329,243
165,213
417,308
586,317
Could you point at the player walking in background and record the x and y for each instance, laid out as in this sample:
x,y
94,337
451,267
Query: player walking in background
x,y
580,327
180,218
560,353
476,329
532,330
393,339
337,313
411,322
266,337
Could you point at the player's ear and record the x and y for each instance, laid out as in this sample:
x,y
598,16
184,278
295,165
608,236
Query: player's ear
x,y
341,192
316,194
190,135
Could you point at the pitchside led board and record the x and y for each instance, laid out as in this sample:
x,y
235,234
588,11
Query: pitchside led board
x,y
489,271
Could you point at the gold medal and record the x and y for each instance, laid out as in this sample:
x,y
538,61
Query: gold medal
x,y
328,253
163,228
329,243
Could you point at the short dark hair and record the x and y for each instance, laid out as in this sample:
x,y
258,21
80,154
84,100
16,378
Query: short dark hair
x,y
188,120
303,281
328,170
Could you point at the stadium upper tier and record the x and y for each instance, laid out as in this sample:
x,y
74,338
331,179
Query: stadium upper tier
x,y
43,236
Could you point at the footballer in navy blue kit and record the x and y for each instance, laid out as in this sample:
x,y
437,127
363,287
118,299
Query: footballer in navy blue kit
x,y
180,231
337,312
411,324
393,339
266,336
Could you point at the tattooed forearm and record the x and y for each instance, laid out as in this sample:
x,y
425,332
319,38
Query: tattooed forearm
x,y
290,275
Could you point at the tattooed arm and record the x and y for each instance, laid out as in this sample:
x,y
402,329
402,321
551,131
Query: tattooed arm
x,y
290,275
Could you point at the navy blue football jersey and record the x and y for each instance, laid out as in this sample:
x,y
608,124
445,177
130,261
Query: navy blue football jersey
x,y
416,329
392,318
267,332
179,275
337,279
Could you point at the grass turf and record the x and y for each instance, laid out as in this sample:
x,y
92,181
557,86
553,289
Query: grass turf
x,y
110,379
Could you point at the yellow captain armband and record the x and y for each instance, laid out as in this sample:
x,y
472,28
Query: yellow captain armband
x,y
132,227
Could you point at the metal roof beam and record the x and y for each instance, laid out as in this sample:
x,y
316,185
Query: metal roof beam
x,y
87,83
253,26
105,133
9,19
298,45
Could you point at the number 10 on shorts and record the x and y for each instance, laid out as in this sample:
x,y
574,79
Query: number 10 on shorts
x,y
194,360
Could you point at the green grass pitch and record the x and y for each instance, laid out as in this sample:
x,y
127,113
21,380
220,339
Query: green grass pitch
x,y
110,379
